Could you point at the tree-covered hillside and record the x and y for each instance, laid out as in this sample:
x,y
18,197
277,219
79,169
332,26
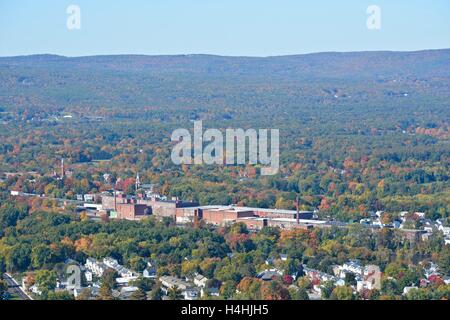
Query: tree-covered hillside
x,y
358,131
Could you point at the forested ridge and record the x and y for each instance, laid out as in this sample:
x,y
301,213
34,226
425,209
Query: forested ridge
x,y
359,131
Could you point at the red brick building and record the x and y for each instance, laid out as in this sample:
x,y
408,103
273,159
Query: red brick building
x,y
188,214
166,208
224,215
253,223
132,211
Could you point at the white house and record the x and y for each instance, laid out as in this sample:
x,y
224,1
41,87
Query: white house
x,y
149,272
126,292
421,215
445,230
379,213
95,266
114,264
200,281
89,197
35,290
214,292
352,266
191,294
88,275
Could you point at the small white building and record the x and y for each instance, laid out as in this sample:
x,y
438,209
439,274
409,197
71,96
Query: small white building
x,y
125,281
445,230
149,272
200,281
96,267
191,294
88,275
352,266
35,289
89,197
213,292
420,215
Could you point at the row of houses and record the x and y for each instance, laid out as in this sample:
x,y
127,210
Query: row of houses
x,y
190,289
97,268
92,271
368,277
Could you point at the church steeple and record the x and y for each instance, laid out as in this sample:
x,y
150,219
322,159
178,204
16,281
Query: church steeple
x,y
138,182
63,170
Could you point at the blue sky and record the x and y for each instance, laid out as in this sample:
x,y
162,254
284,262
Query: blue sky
x,y
224,27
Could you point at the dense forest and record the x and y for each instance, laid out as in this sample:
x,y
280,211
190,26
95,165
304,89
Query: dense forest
x,y
359,132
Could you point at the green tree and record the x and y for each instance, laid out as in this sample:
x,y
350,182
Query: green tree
x,y
109,277
40,256
326,290
300,294
174,293
3,290
418,294
85,294
138,295
46,280
350,279
61,295
105,292
342,293
156,292
18,257
137,263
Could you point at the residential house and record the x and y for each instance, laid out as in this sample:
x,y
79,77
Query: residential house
x,y
96,267
445,230
121,270
200,281
149,272
169,282
191,294
88,275
353,266
268,275
213,292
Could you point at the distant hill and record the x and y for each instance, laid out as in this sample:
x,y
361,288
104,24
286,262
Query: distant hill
x,y
429,63
198,84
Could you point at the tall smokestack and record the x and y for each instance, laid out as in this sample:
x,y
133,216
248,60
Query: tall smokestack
x,y
115,198
62,168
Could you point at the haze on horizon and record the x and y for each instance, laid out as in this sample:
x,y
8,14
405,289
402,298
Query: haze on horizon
x,y
227,28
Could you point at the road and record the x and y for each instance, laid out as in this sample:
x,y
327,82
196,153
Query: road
x,y
14,287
